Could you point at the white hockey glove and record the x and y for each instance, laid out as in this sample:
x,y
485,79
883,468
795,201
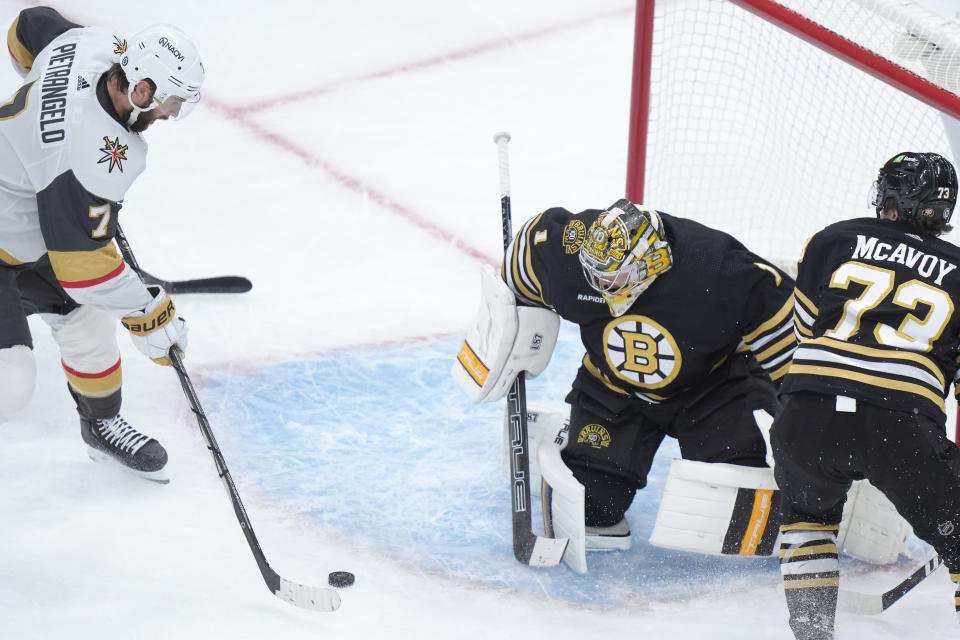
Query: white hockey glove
x,y
157,327
503,341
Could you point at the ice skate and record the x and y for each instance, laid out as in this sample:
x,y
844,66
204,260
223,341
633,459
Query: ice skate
x,y
115,440
614,538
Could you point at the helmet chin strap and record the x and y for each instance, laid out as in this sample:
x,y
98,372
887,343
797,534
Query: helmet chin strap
x,y
135,110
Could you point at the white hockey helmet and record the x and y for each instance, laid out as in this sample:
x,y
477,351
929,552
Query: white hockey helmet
x,y
167,57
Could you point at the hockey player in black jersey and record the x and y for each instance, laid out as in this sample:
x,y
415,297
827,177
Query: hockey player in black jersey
x,y
877,304
685,333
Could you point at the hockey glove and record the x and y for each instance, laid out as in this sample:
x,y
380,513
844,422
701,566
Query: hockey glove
x,y
157,327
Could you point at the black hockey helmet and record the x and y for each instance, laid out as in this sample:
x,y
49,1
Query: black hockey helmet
x,y
923,186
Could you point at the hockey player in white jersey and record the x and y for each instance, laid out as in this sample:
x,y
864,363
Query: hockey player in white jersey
x,y
70,147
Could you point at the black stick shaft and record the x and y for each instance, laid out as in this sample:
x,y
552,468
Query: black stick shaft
x,y
269,575
523,538
915,578
216,284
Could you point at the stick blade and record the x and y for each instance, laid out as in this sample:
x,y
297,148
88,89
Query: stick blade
x,y
307,597
544,552
865,604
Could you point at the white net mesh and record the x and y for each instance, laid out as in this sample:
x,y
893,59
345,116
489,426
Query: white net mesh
x,y
759,133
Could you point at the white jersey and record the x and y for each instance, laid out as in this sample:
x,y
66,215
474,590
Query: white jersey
x,y
66,161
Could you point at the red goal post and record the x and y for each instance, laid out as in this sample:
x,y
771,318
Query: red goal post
x,y
769,119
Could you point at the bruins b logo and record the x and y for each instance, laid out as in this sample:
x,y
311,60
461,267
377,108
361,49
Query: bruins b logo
x,y
641,352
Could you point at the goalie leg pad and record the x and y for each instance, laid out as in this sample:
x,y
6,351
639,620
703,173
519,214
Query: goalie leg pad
x,y
543,421
503,341
563,504
871,529
718,508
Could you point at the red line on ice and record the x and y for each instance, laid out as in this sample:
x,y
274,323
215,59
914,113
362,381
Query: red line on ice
x,y
455,56
242,115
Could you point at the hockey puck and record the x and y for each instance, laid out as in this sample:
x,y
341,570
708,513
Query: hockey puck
x,y
340,579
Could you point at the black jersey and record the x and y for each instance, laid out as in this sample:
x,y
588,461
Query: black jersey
x,y
876,314
716,299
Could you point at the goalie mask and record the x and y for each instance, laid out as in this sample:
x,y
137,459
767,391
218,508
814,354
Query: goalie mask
x,y
623,253
924,188
165,56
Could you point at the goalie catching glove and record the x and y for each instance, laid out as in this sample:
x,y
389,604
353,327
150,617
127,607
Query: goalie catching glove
x,y
157,327
504,340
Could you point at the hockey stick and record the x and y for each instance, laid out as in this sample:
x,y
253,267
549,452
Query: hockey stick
x,y
873,603
217,284
528,547
300,595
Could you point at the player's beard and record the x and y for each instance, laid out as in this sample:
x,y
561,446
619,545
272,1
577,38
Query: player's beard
x,y
144,120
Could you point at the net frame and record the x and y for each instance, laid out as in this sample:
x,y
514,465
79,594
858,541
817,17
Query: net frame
x,y
860,54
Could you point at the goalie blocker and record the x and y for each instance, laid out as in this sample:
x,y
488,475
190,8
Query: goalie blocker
x,y
505,339
712,508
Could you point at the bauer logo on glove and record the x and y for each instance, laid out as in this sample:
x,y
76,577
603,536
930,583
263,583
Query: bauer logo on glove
x,y
157,319
156,328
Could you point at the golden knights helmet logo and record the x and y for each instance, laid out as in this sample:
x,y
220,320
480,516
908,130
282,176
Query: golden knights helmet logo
x,y
119,47
623,253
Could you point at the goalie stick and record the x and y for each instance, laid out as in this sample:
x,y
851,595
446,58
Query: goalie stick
x,y
300,595
528,547
217,284
873,603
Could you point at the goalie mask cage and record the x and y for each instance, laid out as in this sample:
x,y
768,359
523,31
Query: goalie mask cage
x,y
769,119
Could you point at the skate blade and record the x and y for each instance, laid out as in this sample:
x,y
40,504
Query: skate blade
x,y
159,476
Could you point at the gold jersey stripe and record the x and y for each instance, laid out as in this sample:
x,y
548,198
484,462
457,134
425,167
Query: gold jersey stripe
x,y
596,373
95,385
17,50
741,349
808,551
806,302
9,259
772,350
811,582
802,328
526,260
779,373
877,381
778,319
84,266
922,360
809,526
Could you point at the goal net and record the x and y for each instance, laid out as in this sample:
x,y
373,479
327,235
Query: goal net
x,y
769,120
